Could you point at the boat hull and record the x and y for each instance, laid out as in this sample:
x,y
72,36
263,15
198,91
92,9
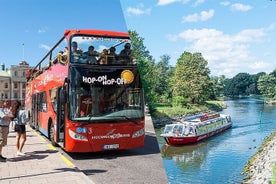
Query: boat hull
x,y
182,140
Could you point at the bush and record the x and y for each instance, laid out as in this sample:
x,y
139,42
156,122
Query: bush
x,y
179,101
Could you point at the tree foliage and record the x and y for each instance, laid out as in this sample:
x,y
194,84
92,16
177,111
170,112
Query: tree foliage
x,y
191,78
267,86
164,73
145,64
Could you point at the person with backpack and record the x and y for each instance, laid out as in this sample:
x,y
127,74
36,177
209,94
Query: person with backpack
x,y
20,128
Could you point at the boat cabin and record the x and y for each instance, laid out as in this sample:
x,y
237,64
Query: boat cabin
x,y
197,126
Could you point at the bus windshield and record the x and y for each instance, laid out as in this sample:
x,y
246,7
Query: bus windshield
x,y
100,50
104,93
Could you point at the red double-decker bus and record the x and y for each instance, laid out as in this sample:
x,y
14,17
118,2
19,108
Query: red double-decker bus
x,y
88,101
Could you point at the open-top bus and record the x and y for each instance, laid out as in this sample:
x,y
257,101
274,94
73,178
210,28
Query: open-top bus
x,y
83,104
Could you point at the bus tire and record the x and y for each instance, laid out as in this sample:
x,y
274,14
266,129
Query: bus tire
x,y
51,134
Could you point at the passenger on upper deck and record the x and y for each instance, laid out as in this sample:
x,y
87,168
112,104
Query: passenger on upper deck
x,y
126,53
112,56
76,52
65,50
90,55
103,57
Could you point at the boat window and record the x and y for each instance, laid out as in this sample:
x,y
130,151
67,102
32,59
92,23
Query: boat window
x,y
168,129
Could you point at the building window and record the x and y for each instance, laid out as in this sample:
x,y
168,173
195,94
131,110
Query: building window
x,y
15,85
6,85
23,74
15,95
23,85
15,73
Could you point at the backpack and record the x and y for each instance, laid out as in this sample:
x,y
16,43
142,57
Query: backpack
x,y
21,118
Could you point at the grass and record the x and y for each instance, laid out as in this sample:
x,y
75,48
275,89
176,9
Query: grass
x,y
166,110
274,174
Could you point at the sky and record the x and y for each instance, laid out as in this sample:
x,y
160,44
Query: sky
x,y
233,36
30,28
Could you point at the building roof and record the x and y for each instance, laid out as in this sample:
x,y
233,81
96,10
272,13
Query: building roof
x,y
4,73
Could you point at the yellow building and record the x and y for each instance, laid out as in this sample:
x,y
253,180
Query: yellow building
x,y
13,82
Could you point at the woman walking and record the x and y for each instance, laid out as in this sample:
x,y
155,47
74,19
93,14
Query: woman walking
x,y
20,129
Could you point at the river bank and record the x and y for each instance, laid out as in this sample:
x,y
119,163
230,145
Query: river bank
x,y
259,168
234,148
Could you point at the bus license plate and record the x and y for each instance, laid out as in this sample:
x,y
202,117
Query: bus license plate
x,y
110,146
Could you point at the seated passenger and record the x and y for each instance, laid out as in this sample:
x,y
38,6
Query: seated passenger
x,y
58,58
181,120
62,56
126,54
76,52
90,55
103,57
112,56
65,55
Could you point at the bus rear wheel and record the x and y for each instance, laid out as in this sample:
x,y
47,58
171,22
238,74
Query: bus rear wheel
x,y
51,134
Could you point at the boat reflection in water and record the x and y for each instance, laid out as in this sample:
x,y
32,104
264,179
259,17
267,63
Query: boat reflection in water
x,y
188,155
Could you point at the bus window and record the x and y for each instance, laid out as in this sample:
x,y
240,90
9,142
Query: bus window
x,y
99,96
42,102
53,97
134,99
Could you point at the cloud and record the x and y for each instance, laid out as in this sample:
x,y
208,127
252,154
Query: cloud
x,y
166,2
237,6
139,10
42,30
225,3
198,2
43,46
241,7
202,16
226,54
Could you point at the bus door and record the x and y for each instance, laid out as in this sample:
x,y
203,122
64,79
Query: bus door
x,y
34,112
60,118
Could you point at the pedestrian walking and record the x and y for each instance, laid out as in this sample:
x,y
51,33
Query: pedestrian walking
x,y
19,128
5,118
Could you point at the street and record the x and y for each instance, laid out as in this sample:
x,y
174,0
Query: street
x,y
140,165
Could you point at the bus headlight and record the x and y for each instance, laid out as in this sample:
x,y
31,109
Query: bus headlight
x,y
138,133
77,136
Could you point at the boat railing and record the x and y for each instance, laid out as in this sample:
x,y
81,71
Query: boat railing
x,y
207,117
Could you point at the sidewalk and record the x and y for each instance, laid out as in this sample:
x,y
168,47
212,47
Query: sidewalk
x,y
43,164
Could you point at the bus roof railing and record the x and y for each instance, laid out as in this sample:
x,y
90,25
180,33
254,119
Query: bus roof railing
x,y
49,53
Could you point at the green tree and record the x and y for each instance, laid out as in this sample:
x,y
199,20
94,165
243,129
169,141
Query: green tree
x,y
218,84
145,64
164,72
238,85
191,78
267,86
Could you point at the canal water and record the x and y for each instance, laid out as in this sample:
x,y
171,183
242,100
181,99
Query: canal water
x,y
221,159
